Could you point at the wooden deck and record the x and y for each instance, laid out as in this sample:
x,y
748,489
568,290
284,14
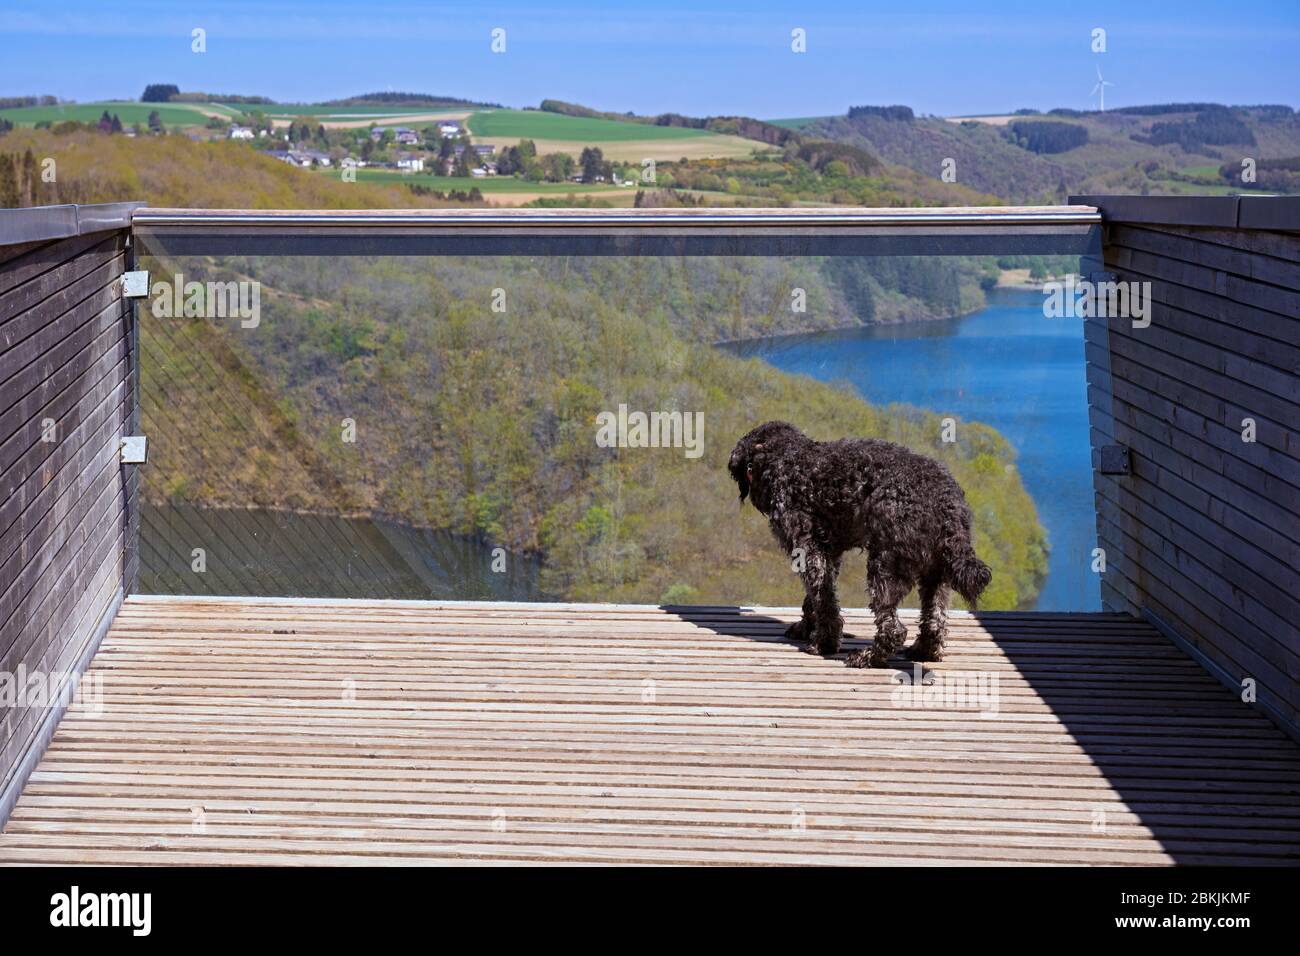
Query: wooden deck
x,y
257,731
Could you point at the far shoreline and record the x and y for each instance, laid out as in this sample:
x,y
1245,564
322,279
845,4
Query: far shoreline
x,y
1013,280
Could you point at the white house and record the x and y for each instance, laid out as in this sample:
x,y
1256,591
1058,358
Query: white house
x,y
410,164
405,136
303,157
240,132
449,128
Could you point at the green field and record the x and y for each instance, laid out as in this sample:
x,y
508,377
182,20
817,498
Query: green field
x,y
173,114
798,122
535,124
349,112
1203,189
488,184
196,114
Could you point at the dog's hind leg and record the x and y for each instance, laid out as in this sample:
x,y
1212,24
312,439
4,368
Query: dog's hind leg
x,y
934,622
886,591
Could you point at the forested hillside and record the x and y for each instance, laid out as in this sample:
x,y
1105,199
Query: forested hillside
x,y
1034,157
483,423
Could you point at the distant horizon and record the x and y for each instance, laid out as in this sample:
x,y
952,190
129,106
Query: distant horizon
x,y
470,101
697,58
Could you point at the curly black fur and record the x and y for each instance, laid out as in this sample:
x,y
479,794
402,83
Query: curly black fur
x,y
905,510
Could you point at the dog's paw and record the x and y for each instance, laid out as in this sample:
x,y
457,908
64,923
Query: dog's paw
x,y
858,659
924,652
798,631
868,657
822,647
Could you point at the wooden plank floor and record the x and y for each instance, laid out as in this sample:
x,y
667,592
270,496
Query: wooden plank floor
x,y
257,731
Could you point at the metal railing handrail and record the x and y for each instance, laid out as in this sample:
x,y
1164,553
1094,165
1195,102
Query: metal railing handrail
x,y
156,220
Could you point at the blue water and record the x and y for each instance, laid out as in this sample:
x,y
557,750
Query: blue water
x,y
1006,366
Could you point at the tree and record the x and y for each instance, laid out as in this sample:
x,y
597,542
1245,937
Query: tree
x,y
509,163
155,122
1047,136
593,164
465,161
116,125
159,92
29,177
9,197
105,122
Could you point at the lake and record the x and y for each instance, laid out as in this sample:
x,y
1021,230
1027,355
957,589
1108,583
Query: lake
x,y
1006,366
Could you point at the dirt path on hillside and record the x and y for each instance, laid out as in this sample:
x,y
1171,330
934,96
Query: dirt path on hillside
x,y
387,120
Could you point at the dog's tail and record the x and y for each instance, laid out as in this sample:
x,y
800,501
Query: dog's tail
x,y
966,572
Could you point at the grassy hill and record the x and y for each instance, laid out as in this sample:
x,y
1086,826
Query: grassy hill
x,y
626,141
553,132
129,111
535,124
176,171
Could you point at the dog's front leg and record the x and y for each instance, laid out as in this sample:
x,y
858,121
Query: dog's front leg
x,y
794,542
802,629
826,623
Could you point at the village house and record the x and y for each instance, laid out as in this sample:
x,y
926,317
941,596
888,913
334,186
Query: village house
x,y
449,129
402,135
240,132
310,157
410,163
305,158
481,150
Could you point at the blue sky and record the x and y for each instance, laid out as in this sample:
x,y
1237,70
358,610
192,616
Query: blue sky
x,y
699,57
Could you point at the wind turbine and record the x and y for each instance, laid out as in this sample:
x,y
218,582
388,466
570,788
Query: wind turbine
x,y
1100,90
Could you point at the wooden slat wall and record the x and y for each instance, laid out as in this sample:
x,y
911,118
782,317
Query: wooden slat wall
x,y
64,357
1204,535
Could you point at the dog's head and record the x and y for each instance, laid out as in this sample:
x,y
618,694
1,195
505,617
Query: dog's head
x,y
752,455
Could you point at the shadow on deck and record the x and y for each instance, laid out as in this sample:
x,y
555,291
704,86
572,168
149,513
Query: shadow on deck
x,y
269,731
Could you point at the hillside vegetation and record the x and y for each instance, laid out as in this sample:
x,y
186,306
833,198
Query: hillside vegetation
x,y
176,171
1046,157
483,423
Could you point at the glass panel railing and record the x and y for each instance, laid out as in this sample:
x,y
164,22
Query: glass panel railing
x,y
558,426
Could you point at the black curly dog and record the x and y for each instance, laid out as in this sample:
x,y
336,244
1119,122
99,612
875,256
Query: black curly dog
x,y
905,510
